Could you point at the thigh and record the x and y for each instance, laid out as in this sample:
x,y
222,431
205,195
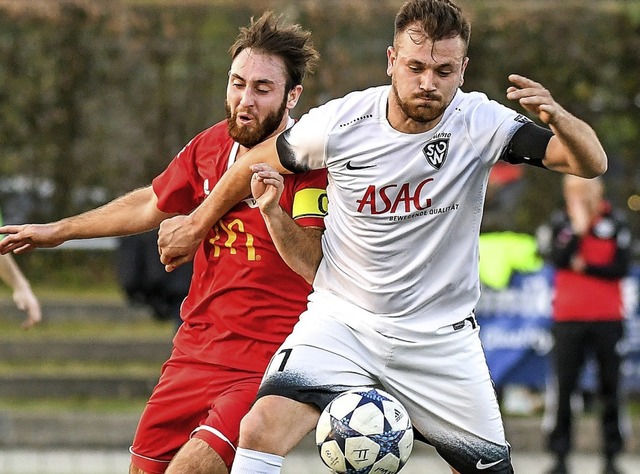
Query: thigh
x,y
169,416
320,359
568,353
276,424
605,337
445,384
189,398
233,393
569,343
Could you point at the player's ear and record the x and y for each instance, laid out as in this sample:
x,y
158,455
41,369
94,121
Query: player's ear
x,y
391,59
464,68
293,96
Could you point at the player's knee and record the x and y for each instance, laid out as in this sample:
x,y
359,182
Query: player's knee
x,y
269,425
253,428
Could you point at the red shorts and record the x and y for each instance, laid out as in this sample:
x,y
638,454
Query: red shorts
x,y
192,399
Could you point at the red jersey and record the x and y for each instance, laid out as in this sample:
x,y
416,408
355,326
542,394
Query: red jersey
x,y
243,299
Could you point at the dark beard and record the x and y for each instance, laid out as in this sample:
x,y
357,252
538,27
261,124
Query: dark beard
x,y
251,136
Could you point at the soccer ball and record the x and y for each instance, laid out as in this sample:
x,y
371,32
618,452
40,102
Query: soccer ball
x,y
364,431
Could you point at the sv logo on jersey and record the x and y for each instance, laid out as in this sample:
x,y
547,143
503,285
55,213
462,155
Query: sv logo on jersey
x,y
436,152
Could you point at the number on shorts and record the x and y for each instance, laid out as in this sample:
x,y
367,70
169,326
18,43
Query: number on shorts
x,y
285,357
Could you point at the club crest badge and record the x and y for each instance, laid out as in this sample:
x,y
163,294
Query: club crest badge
x,y
436,152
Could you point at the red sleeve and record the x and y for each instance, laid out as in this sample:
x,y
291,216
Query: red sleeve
x,y
174,187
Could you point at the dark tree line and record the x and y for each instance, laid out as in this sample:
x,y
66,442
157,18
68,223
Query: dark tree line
x,y
96,97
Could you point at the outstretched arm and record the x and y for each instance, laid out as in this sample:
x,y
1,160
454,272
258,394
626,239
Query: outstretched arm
x,y
179,238
574,148
23,296
132,213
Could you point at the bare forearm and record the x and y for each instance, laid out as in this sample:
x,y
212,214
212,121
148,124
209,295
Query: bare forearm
x,y
132,213
233,187
578,146
179,238
10,273
129,214
575,148
300,247
23,295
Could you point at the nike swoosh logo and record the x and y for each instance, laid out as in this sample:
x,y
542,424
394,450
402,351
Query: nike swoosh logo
x,y
353,167
480,465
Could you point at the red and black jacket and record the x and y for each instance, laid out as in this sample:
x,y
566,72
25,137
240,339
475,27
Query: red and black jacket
x,y
595,293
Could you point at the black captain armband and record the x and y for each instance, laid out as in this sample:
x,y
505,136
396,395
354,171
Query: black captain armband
x,y
287,156
528,145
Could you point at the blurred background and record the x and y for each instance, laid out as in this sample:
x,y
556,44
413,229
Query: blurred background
x,y
96,97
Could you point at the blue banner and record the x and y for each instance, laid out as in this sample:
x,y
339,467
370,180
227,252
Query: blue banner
x,y
515,330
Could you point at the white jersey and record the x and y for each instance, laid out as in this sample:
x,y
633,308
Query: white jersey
x,y
401,235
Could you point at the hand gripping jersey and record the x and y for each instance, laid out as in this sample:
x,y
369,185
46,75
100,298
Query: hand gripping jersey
x,y
243,297
402,233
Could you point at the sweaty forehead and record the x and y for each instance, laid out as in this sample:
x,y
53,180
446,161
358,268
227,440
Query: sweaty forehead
x,y
253,66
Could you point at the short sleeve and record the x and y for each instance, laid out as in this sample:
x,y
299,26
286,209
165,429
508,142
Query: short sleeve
x,y
307,139
174,187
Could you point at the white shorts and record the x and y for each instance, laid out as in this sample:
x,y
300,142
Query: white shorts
x,y
441,377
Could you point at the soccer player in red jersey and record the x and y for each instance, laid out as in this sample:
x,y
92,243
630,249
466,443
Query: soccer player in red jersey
x,y
244,299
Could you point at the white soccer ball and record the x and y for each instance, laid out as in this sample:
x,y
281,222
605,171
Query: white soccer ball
x,y
364,431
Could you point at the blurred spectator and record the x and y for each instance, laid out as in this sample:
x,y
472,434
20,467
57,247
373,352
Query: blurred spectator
x,y
144,279
23,296
589,244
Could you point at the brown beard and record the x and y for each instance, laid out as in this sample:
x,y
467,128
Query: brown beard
x,y
417,114
251,136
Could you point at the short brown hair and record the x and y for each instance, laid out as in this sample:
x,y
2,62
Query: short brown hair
x,y
438,19
290,43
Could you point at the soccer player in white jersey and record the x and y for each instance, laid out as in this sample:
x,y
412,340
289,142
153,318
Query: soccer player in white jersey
x,y
393,301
